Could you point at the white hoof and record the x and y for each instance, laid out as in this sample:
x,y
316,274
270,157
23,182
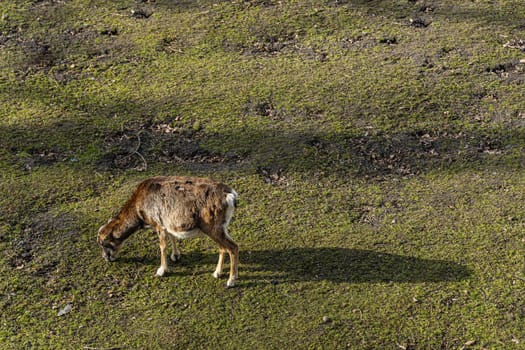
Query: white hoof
x,y
230,283
160,271
217,274
175,257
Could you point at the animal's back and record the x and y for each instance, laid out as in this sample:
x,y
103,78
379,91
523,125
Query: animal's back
x,y
180,203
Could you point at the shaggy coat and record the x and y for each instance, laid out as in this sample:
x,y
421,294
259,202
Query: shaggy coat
x,y
177,208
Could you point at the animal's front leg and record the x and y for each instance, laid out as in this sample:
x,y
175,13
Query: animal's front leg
x,y
175,252
220,263
162,242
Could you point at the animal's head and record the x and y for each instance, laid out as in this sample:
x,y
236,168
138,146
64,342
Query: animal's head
x,y
109,241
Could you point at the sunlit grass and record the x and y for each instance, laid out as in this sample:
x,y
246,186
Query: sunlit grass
x,y
377,148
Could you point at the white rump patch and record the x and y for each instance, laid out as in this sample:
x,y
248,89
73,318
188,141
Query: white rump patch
x,y
230,200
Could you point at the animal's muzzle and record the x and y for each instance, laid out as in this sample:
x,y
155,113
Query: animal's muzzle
x,y
108,254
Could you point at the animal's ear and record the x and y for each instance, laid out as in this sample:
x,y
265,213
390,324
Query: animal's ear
x,y
100,229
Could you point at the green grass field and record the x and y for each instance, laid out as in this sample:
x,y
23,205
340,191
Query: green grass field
x,y
377,148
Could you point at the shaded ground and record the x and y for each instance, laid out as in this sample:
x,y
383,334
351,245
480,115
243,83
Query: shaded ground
x,y
377,146
337,265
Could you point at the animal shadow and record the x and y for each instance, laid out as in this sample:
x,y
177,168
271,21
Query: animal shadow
x,y
347,265
341,265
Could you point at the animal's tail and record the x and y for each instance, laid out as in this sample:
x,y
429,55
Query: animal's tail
x,y
232,198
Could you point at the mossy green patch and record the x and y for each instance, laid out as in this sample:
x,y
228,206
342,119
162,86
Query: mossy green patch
x,y
377,147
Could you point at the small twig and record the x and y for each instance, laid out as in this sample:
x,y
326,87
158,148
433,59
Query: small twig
x,y
143,159
136,151
140,142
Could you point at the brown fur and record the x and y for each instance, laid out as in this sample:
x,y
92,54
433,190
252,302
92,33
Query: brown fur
x,y
176,206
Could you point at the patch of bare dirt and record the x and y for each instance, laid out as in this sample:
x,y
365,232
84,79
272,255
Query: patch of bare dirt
x,y
172,45
44,230
167,142
57,51
420,22
263,108
260,3
37,157
269,41
408,154
141,13
358,42
516,44
405,154
273,176
272,44
511,71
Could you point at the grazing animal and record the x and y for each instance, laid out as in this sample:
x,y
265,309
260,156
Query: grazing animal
x,y
176,207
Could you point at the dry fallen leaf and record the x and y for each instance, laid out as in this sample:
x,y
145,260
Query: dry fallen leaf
x,y
470,343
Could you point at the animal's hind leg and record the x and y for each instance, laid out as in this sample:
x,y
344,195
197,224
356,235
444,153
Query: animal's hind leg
x,y
233,251
226,244
175,252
